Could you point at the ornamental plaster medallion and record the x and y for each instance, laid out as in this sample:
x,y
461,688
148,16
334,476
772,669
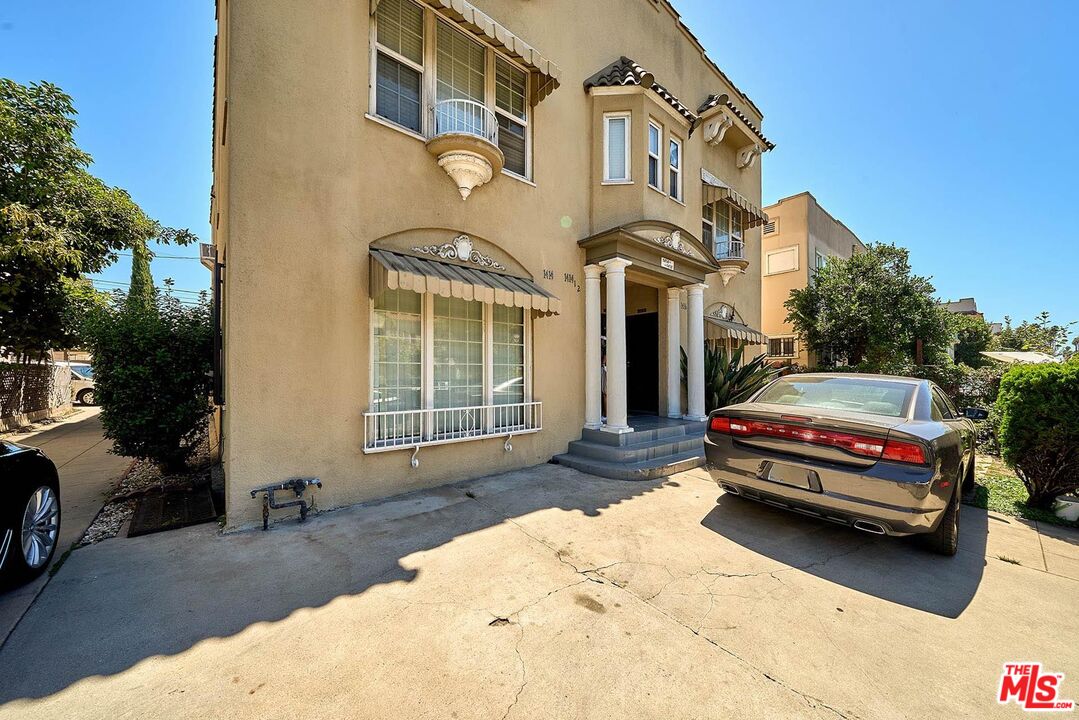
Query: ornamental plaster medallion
x,y
674,242
460,248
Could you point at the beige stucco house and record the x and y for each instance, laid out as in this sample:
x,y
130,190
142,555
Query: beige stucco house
x,y
434,221
799,237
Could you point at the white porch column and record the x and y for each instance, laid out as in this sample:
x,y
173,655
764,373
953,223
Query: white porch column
x,y
617,414
592,354
674,358
695,352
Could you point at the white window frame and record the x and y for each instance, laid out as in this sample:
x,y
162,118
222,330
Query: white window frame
x,y
676,191
427,355
781,339
492,102
819,259
714,222
428,81
607,117
657,156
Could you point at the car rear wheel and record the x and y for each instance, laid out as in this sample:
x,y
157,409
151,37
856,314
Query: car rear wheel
x,y
30,532
86,397
945,539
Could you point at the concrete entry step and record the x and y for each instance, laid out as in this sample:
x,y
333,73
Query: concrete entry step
x,y
637,452
647,470
656,447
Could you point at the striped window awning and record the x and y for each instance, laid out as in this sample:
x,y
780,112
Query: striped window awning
x,y
546,76
717,328
405,272
716,190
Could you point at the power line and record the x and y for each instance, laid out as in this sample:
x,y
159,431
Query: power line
x,y
155,256
124,284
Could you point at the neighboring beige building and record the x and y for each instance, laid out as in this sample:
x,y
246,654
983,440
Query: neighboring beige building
x,y
799,237
426,214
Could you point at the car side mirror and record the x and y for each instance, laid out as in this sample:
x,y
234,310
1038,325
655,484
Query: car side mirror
x,y
974,413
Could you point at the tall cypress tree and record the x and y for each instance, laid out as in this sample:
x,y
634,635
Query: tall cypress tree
x,y
141,292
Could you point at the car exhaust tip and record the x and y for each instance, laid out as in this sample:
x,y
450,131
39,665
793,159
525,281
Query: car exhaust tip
x,y
730,489
870,527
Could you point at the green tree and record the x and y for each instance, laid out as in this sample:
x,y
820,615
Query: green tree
x,y
141,289
1040,335
57,221
871,309
152,366
973,336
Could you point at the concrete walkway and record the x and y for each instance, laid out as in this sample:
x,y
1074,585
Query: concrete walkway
x,y
87,471
544,593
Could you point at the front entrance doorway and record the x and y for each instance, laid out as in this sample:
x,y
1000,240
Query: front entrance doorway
x,y
642,363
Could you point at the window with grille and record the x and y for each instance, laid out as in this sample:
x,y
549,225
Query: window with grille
x,y
781,347
410,64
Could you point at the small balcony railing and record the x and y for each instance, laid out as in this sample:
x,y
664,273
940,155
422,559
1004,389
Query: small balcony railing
x,y
731,250
465,116
401,429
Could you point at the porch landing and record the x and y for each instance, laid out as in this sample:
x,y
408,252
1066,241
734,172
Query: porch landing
x,y
657,447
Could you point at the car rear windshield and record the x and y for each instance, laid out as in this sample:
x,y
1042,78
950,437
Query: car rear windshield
x,y
877,397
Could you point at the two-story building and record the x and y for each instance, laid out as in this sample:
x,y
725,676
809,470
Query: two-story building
x,y
436,222
799,237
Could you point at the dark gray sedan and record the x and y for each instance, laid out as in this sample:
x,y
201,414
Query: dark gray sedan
x,y
886,455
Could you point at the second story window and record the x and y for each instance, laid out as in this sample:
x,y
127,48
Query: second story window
x,y
723,230
445,81
511,107
675,162
655,140
616,157
399,61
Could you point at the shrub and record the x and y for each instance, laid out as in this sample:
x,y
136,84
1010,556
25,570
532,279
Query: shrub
x,y
727,380
1039,428
152,364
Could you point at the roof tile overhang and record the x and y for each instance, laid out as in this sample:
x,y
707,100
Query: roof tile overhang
x,y
546,76
715,190
724,101
406,272
623,72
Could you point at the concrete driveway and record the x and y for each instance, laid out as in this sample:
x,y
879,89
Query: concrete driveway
x,y
87,471
545,593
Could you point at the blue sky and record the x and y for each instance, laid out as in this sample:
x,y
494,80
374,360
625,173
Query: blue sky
x,y
946,127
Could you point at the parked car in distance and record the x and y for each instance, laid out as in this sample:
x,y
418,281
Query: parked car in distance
x,y
82,382
29,514
886,455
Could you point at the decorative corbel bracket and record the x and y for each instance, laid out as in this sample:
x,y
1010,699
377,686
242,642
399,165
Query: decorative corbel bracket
x,y
716,130
748,155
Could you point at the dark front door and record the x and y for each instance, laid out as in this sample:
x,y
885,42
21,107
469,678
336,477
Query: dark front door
x,y
642,363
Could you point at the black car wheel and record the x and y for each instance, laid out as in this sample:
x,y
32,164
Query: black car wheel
x,y
86,397
30,531
945,539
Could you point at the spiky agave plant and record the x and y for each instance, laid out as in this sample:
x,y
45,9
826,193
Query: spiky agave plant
x,y
726,379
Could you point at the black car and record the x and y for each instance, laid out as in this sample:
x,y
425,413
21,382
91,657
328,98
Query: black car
x,y
29,514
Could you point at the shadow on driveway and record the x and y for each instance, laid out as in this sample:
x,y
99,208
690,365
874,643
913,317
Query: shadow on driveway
x,y
893,569
126,600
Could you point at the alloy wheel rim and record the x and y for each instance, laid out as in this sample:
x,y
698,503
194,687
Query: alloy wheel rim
x,y
40,526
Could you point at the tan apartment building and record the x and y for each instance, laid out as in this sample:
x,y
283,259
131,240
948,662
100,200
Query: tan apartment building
x,y
456,238
799,237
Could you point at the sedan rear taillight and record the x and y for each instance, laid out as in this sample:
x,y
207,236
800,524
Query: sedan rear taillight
x,y
904,452
861,445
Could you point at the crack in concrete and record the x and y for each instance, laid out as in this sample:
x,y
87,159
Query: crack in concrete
x,y
589,574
